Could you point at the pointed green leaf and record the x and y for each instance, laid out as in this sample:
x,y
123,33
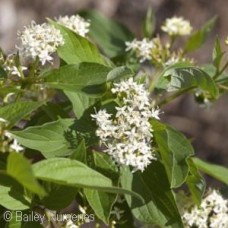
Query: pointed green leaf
x,y
197,39
196,183
89,78
50,139
101,203
108,34
174,149
12,199
149,23
159,207
21,170
217,54
190,77
17,111
218,172
73,173
80,102
80,152
119,73
77,49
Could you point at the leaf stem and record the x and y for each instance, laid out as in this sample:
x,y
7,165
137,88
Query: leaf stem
x,y
221,71
174,96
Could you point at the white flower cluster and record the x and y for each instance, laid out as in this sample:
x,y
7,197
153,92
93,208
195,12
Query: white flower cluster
x,y
10,66
142,48
15,146
128,135
177,26
40,41
212,213
12,144
226,41
76,23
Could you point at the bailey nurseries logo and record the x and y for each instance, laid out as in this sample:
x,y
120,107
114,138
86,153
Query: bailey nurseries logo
x,y
32,216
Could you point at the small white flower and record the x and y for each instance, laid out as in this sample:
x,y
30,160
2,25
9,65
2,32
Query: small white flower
x,y
177,26
142,48
16,147
76,23
3,120
40,41
117,212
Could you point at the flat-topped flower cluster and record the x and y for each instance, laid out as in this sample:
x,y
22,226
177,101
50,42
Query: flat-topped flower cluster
x,y
40,41
177,26
128,135
212,213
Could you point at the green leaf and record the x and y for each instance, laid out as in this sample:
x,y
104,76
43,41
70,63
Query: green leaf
x,y
174,149
149,23
105,165
14,221
89,78
50,138
119,73
3,73
108,34
12,199
159,207
20,169
217,54
70,173
190,77
17,111
77,49
73,173
197,39
80,152
80,102
101,203
55,200
196,183
218,172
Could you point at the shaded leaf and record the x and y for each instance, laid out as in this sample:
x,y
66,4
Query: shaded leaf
x,y
108,34
101,203
174,149
196,183
21,170
159,207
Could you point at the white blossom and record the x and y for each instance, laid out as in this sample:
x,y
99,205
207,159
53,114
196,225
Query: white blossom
x,y
3,120
16,146
128,135
13,143
76,23
142,48
40,41
212,212
177,26
117,212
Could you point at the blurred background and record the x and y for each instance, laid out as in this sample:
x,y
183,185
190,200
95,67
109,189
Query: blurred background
x,y
206,127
